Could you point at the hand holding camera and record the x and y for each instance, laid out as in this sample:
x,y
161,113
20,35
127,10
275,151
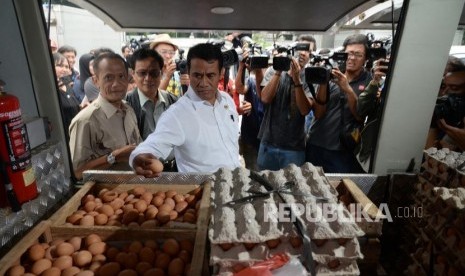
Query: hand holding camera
x,y
340,79
380,68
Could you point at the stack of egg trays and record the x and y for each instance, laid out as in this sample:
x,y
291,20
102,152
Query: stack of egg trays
x,y
52,185
227,222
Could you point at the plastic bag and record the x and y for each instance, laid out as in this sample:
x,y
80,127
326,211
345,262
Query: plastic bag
x,y
264,268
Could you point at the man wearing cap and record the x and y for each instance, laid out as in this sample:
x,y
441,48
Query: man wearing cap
x,y
172,79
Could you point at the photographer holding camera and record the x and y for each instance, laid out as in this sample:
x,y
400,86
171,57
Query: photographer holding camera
x,y
335,108
448,124
172,79
287,100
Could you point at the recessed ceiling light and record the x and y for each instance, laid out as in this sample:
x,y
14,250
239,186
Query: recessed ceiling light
x,y
222,10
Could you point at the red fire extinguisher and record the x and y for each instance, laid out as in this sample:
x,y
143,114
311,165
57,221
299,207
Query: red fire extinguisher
x,y
15,153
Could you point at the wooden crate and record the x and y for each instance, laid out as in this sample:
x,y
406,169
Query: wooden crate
x,y
45,232
372,227
73,204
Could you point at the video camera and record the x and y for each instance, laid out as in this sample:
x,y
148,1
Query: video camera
x,y
135,44
451,108
323,64
283,63
378,48
181,63
230,57
256,58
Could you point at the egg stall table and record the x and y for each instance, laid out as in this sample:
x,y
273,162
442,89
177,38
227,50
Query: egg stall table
x,y
153,224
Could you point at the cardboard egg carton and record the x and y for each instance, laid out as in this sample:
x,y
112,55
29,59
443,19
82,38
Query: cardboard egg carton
x,y
454,198
444,164
252,222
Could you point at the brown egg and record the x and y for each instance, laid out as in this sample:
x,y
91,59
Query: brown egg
x,y
71,271
53,271
93,213
97,248
95,266
85,273
107,209
165,208
178,198
129,198
128,272
133,201
130,216
151,244
249,245
113,223
82,258
190,199
138,191
81,212
121,258
162,261
87,220
149,224
76,242
131,260
116,204
151,213
187,245
147,197
109,196
102,191
185,256
181,207
156,166
146,254
295,241
273,243
92,238
160,194
101,219
63,262
142,267
17,270
226,246
158,201
89,206
99,258
36,252
155,272
65,249
111,253
140,206
333,264
176,267
169,201
86,198
171,247
173,215
74,218
163,216
112,268
189,217
40,266
123,195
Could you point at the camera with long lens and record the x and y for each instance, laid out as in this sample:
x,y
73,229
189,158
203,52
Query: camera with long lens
x,y
181,63
451,108
230,57
323,64
283,61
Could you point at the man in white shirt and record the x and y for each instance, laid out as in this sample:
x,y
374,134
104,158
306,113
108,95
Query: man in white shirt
x,y
201,127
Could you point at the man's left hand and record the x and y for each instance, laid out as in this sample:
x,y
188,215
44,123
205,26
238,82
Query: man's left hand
x,y
455,133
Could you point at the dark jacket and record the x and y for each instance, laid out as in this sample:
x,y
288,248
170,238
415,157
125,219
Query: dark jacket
x,y
133,100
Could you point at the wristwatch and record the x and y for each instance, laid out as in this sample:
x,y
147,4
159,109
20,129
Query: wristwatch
x,y
111,159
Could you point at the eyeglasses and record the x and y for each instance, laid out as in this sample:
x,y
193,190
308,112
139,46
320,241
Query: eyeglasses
x,y
167,52
154,73
356,55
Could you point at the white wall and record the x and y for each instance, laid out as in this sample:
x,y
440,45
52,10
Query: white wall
x,y
82,30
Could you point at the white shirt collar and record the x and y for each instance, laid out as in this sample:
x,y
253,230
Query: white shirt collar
x,y
143,99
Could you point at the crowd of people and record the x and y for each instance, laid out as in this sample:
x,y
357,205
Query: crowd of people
x,y
137,110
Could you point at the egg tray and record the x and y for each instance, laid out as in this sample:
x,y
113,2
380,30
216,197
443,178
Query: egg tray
x,y
321,254
346,268
246,222
45,232
59,218
445,165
